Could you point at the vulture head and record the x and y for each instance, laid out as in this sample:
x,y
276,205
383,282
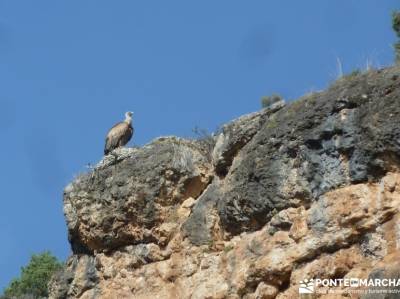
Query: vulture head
x,y
128,117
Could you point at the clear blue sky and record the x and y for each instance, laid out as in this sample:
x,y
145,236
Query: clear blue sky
x,y
70,69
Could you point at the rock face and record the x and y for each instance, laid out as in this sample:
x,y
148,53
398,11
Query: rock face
x,y
134,200
306,190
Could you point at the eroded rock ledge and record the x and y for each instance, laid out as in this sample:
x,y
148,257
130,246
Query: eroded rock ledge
x,y
306,190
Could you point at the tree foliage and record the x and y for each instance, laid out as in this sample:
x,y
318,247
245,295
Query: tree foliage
x,y
396,28
34,277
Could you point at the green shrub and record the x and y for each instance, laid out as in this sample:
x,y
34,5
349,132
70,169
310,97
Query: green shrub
x,y
267,101
352,74
34,277
396,28
272,123
396,22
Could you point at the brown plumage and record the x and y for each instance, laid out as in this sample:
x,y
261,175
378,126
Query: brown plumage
x,y
120,134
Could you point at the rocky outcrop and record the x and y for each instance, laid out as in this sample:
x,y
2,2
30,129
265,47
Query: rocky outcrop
x,y
134,200
306,190
237,134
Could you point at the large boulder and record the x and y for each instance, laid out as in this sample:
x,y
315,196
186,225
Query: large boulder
x,y
133,195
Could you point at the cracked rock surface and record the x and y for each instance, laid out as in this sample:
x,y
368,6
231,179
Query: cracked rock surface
x,y
310,189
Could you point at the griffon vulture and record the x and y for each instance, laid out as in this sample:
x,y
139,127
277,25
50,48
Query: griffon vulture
x,y
120,134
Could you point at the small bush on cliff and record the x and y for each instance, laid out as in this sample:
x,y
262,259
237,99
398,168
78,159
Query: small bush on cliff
x,y
206,140
34,277
353,74
267,101
396,28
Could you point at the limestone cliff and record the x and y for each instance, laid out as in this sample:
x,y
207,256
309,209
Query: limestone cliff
x,y
306,190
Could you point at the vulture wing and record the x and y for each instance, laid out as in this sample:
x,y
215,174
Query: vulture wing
x,y
119,135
